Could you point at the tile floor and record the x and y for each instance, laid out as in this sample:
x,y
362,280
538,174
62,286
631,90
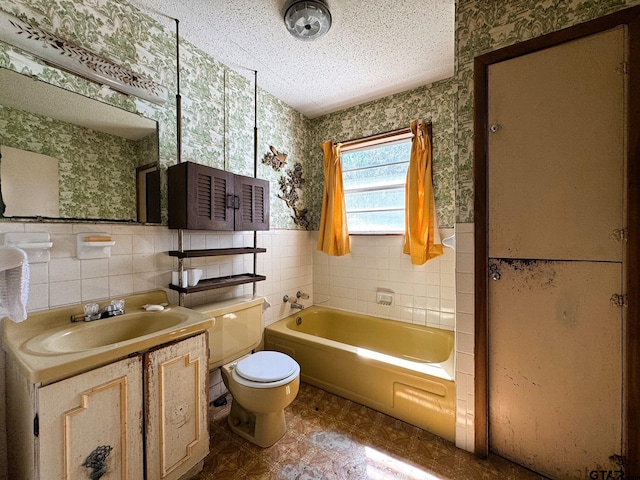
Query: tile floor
x,y
329,437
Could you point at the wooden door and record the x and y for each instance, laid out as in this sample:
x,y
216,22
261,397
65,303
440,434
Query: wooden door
x,y
555,366
177,422
93,422
556,202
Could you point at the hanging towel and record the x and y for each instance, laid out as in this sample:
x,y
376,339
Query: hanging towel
x,y
14,282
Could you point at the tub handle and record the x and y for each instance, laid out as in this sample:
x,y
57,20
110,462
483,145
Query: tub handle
x,y
302,295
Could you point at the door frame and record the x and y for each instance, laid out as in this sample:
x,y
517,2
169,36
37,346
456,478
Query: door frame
x,y
631,325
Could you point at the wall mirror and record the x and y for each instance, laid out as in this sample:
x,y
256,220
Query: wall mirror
x,y
106,158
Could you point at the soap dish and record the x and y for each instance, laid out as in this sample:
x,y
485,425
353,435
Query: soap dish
x,y
94,245
35,244
384,297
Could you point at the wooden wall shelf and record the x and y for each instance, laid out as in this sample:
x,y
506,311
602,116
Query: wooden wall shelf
x,y
211,252
220,282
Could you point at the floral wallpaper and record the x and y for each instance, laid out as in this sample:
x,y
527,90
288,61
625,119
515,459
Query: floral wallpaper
x,y
483,26
96,170
218,103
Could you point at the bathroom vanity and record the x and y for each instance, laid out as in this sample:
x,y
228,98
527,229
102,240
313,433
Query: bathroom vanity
x,y
121,397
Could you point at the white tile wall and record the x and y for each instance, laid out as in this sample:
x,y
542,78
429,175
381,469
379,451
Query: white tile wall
x,y
287,264
439,293
464,337
424,294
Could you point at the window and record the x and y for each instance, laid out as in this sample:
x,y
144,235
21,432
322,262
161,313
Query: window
x,y
374,174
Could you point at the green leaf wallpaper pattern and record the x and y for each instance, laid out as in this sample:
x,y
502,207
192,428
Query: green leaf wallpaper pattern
x,y
218,106
96,170
486,25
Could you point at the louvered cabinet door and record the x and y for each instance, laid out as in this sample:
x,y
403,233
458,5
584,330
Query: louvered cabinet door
x,y
206,198
253,203
200,197
210,199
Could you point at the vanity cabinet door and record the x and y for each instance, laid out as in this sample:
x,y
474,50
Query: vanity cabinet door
x,y
91,424
177,424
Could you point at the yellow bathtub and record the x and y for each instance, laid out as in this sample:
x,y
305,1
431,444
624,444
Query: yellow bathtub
x,y
400,369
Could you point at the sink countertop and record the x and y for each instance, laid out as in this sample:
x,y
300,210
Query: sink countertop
x,y
47,367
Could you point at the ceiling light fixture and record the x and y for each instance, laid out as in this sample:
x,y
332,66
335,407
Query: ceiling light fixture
x,y
307,19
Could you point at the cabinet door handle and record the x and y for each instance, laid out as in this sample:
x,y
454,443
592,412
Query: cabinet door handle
x,y
97,461
236,202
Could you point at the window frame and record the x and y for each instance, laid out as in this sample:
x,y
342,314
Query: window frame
x,y
373,142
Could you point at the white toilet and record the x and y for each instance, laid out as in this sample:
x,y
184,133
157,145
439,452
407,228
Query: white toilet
x,y
262,384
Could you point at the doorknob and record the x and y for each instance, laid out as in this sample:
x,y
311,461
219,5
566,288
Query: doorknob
x,y
494,273
495,127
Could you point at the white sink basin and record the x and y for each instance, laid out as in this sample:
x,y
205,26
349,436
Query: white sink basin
x,y
83,336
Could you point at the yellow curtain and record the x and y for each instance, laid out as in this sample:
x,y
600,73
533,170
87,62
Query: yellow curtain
x,y
334,234
422,236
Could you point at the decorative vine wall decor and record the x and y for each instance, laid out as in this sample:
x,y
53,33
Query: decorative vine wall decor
x,y
290,183
275,159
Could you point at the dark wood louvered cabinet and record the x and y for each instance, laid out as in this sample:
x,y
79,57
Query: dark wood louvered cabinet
x,y
207,198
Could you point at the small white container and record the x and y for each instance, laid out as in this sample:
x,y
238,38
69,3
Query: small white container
x,y
195,274
175,276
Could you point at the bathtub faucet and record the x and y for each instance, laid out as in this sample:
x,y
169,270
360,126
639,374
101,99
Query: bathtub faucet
x,y
292,301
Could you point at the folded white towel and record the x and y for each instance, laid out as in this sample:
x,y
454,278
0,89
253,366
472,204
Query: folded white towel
x,y
14,282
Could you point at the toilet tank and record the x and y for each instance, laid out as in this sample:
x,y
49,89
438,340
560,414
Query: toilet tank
x,y
237,328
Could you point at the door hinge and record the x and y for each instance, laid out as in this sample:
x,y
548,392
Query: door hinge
x,y
619,300
619,235
623,68
36,425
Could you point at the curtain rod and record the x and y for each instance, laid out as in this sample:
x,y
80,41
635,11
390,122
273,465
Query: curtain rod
x,y
379,137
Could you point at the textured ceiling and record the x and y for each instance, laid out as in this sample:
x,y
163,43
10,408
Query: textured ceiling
x,y
374,49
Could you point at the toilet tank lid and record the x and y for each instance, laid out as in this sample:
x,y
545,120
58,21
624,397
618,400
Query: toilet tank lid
x,y
266,366
231,305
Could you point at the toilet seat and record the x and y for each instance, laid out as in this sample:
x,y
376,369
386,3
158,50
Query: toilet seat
x,y
266,369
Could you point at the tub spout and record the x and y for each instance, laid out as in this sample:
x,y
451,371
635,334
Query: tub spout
x,y
292,302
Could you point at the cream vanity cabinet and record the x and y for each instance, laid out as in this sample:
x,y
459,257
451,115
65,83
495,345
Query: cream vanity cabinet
x,y
141,417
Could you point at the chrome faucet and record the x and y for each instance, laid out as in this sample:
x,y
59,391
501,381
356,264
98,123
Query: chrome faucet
x,y
292,301
93,312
